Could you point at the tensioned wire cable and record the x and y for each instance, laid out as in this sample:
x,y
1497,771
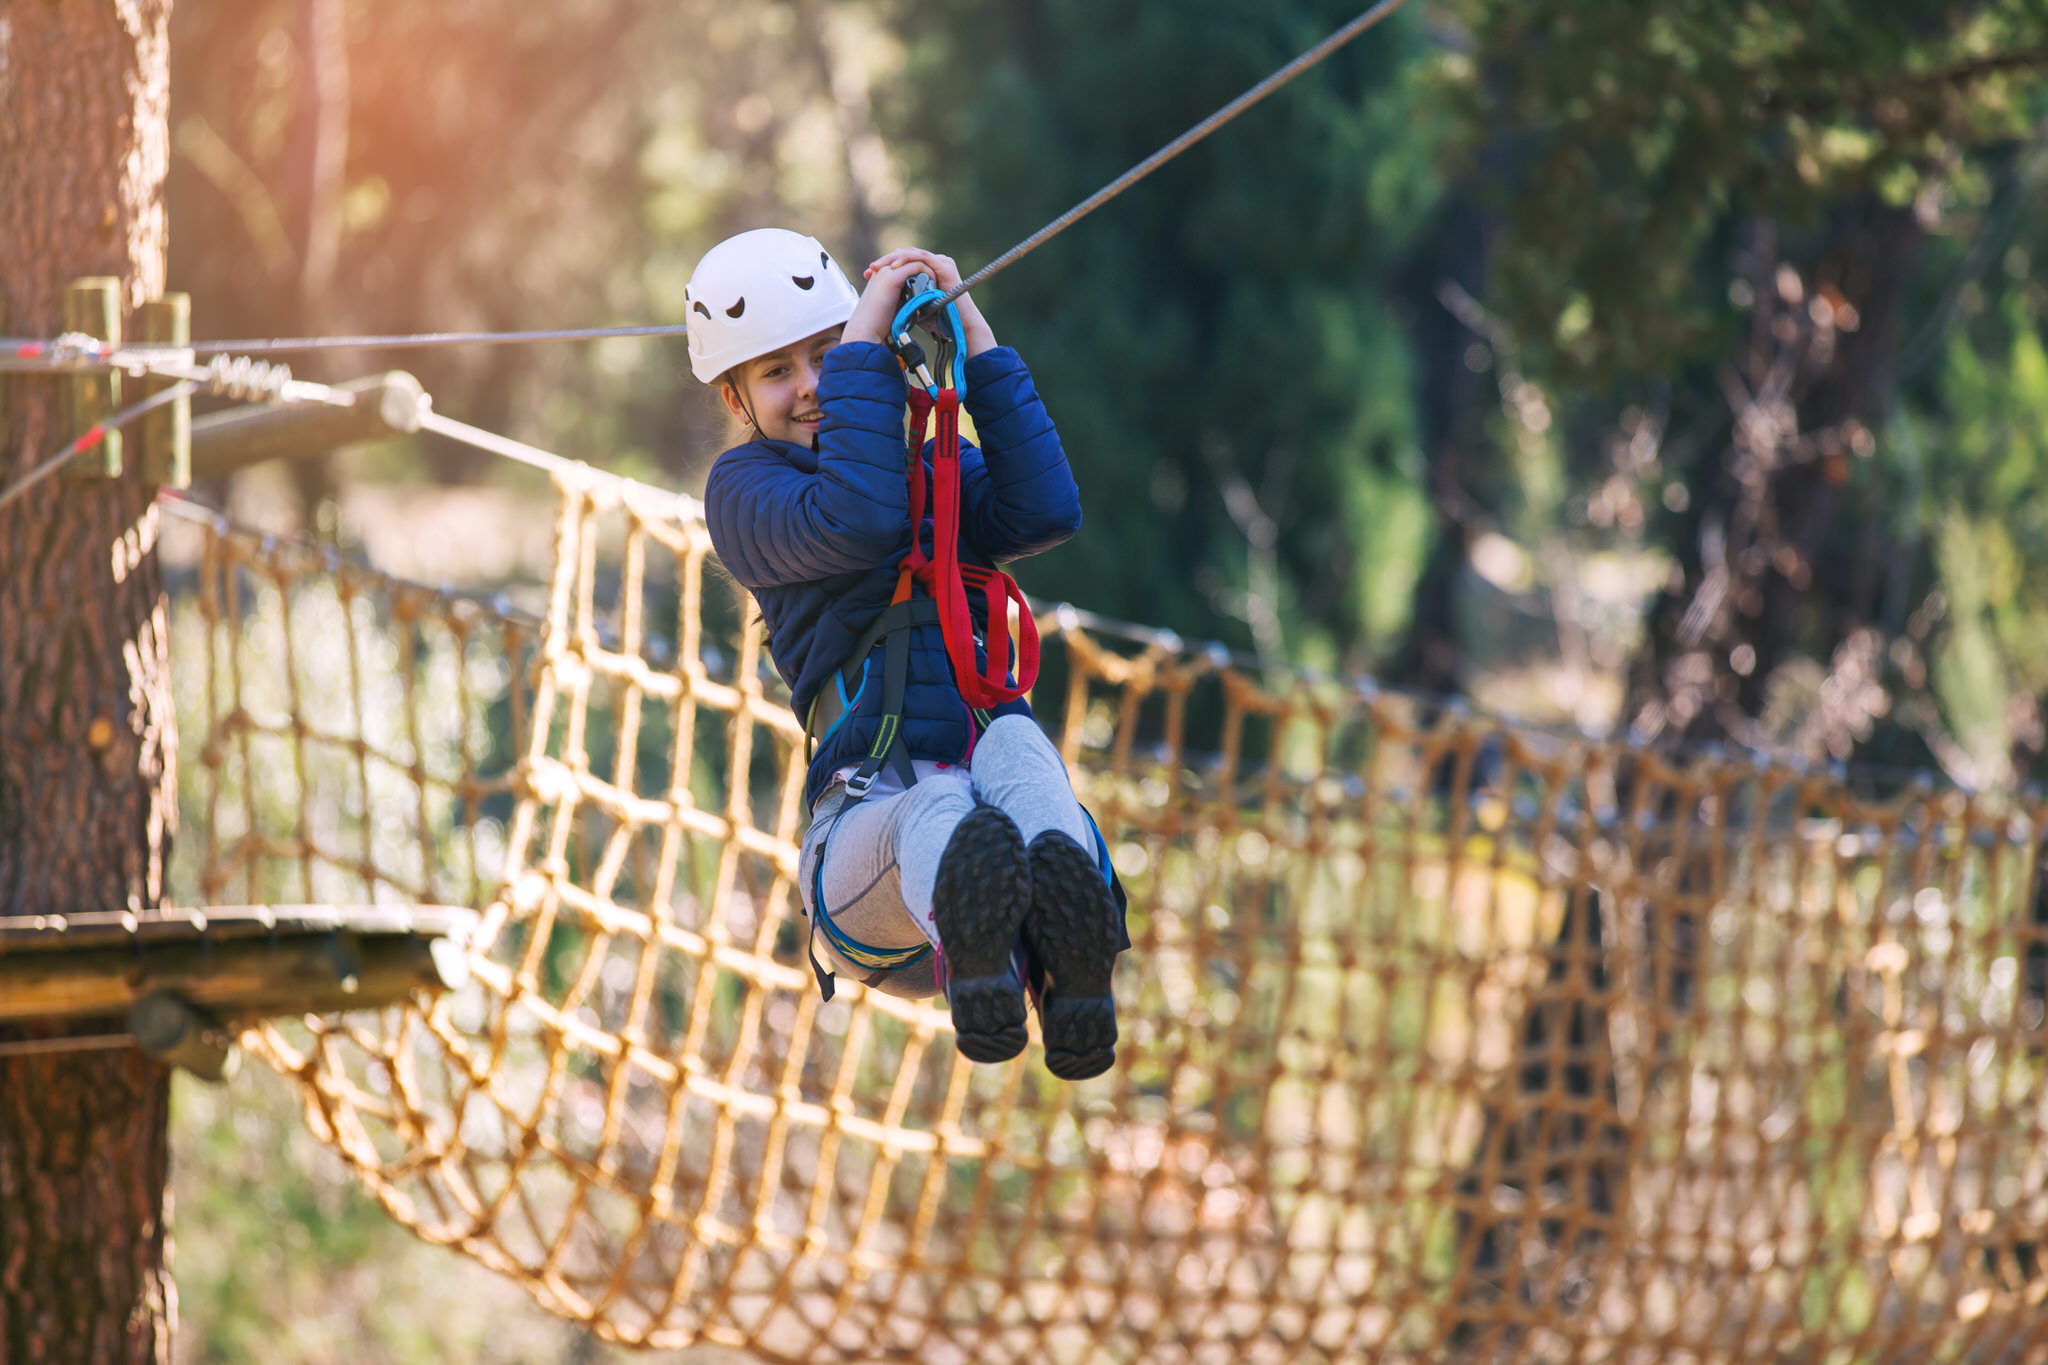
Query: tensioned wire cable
x,y
30,349
411,340
418,339
1174,148
236,376
92,436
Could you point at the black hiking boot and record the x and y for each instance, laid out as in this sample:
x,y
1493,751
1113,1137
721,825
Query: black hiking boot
x,y
1074,935
978,903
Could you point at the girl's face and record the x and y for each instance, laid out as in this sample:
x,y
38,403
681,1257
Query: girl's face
x,y
778,392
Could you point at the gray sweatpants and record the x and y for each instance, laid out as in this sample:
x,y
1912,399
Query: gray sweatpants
x,y
883,856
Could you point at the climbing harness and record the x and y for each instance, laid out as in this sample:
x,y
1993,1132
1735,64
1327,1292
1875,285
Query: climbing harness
x,y
944,580
935,388
940,573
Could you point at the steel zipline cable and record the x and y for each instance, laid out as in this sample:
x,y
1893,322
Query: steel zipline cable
x,y
1201,130
409,340
24,348
25,351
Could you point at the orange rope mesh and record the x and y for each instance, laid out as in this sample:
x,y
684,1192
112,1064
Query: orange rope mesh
x,y
1443,1039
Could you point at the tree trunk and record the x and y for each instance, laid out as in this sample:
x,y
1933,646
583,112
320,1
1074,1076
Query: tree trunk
x,y
1770,571
1766,582
1452,404
86,737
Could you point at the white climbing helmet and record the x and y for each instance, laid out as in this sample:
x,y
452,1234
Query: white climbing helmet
x,y
761,291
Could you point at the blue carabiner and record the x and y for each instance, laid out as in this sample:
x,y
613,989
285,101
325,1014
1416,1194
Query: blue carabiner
x,y
899,333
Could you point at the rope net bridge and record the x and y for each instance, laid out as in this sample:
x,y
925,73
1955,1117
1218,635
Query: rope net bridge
x,y
1443,1039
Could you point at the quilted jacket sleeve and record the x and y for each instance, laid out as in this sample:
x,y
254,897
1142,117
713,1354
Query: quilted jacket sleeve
x,y
774,521
1018,497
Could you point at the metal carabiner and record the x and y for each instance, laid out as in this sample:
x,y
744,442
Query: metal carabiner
x,y
953,342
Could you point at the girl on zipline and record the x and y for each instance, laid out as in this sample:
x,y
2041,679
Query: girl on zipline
x,y
946,852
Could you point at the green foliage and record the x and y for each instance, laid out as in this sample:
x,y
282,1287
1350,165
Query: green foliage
x,y
1218,345
1971,472
283,1258
1635,130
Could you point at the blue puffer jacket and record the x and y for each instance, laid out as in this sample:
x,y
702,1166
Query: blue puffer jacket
x,y
815,535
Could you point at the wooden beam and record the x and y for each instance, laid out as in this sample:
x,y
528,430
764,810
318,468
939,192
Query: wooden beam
x,y
175,924
385,405
235,979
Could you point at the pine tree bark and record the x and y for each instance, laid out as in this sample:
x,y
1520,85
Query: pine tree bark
x,y
1769,570
86,738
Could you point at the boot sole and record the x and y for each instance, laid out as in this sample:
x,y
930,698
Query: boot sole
x,y
978,904
1072,931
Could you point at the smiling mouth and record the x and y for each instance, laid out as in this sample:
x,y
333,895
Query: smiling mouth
x,y
809,418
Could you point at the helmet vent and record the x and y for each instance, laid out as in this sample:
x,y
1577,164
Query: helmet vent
x,y
824,260
737,309
803,281
699,306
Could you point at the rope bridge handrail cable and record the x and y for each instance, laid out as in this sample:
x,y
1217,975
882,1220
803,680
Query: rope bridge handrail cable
x,y
257,381
534,457
238,377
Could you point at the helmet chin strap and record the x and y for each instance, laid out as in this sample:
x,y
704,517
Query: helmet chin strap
x,y
740,393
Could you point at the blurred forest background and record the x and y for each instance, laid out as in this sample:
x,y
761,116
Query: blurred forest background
x,y
1674,369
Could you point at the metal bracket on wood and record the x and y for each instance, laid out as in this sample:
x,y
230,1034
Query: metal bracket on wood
x,y
171,1029
387,404
167,432
93,306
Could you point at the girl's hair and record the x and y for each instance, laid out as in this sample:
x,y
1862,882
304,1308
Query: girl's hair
x,y
737,427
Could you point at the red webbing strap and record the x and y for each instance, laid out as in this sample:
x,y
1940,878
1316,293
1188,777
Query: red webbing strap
x,y
946,579
913,471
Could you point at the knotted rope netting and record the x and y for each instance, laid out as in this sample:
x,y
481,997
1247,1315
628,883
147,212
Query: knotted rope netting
x,y
1443,1038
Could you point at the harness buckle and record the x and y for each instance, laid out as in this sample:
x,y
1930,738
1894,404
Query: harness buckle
x,y
857,785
